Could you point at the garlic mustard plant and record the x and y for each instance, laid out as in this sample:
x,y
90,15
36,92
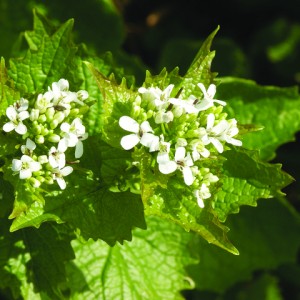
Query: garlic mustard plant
x,y
50,125
180,133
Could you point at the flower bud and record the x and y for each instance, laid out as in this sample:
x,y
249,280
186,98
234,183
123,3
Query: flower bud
x,y
74,112
39,139
34,114
50,113
34,182
54,124
42,118
43,159
54,138
59,116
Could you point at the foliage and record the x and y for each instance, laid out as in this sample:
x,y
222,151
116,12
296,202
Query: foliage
x,y
121,228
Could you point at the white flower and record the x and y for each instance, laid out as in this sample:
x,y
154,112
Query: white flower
x,y
25,166
163,117
185,163
165,165
28,147
223,131
201,194
71,134
43,102
16,119
208,97
198,150
157,97
56,159
141,134
59,174
21,105
186,105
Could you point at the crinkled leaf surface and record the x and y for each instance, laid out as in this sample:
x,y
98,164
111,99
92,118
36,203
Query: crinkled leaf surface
x,y
273,108
266,237
150,267
247,179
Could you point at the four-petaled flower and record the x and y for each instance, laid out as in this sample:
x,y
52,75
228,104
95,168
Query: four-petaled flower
x,y
72,135
208,97
59,174
201,194
141,134
16,119
223,131
56,159
184,163
25,166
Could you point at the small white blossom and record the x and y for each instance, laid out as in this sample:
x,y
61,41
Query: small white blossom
x,y
186,105
56,159
223,131
43,102
16,119
71,134
141,134
59,174
201,194
165,165
208,97
28,147
198,150
185,163
25,166
163,117
157,97
21,105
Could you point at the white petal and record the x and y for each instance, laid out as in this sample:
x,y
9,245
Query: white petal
x,y
34,166
65,127
129,124
79,149
61,182
129,141
16,165
233,141
217,145
9,126
202,88
30,144
210,121
23,115
66,171
26,173
162,158
221,127
204,104
188,175
21,128
168,167
223,103
72,139
180,154
62,145
148,138
211,91
145,126
11,113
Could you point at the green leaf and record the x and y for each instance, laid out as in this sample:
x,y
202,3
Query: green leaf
x,y
150,267
173,201
247,179
48,61
200,69
116,103
49,248
273,108
267,237
87,204
7,92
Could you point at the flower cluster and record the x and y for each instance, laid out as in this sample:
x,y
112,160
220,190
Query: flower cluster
x,y
180,133
47,129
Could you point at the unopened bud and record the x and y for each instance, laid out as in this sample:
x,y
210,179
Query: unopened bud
x,y
39,139
54,138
